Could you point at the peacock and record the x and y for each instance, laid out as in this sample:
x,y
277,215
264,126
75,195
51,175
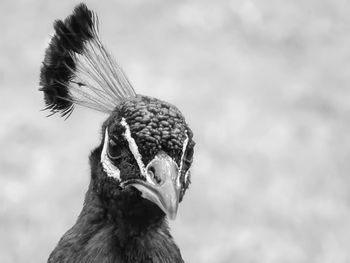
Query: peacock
x,y
140,170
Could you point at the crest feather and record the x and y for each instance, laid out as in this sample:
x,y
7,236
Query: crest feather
x,y
78,70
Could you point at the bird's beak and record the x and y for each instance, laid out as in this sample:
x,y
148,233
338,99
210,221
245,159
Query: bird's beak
x,y
161,186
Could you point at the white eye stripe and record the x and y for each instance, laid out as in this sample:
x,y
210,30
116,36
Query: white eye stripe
x,y
109,168
184,147
135,151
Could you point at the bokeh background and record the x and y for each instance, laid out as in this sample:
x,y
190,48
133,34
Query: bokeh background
x,y
265,87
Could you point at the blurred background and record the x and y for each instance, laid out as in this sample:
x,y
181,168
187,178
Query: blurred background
x,y
263,84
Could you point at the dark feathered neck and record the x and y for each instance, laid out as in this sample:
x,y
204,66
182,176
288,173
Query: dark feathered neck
x,y
106,231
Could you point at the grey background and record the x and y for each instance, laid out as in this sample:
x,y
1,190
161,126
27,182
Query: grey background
x,y
263,84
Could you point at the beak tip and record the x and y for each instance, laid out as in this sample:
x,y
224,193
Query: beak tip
x,y
172,216
170,211
166,203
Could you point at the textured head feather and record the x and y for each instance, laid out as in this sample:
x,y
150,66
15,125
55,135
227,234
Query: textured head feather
x,y
78,70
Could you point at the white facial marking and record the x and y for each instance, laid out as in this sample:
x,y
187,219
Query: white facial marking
x,y
184,147
135,151
107,165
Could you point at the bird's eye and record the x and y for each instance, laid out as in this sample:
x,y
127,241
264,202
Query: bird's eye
x,y
114,150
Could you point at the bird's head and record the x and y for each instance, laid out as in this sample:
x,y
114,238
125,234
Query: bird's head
x,y
147,145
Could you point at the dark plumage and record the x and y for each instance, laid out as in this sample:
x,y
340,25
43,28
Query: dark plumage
x,y
140,170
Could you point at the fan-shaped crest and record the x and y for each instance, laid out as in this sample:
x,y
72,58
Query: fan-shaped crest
x,y
78,69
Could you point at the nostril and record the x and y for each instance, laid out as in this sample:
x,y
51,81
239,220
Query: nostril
x,y
152,172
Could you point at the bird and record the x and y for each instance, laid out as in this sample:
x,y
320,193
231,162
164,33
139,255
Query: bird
x,y
139,172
